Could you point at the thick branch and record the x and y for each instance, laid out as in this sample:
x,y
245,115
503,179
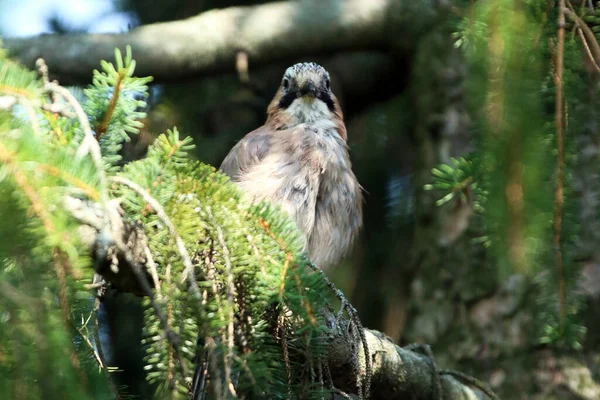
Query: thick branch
x,y
114,264
208,42
397,373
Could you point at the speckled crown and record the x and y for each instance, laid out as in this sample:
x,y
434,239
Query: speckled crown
x,y
303,68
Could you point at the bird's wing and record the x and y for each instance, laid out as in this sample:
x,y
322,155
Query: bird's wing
x,y
247,152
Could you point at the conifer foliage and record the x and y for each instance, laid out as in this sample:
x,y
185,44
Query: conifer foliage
x,y
226,285
533,96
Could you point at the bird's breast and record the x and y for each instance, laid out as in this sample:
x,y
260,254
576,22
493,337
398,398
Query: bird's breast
x,y
308,173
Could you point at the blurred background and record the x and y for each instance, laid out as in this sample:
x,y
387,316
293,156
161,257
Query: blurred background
x,y
466,258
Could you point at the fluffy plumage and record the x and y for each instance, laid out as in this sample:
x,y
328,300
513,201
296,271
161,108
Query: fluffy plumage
x,y
299,160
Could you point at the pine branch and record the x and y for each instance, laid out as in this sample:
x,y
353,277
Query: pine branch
x,y
395,371
189,267
59,259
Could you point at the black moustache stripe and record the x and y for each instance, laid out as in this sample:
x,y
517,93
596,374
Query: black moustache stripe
x,y
287,99
326,98
290,96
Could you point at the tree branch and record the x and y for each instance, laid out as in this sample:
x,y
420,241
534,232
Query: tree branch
x,y
209,42
395,372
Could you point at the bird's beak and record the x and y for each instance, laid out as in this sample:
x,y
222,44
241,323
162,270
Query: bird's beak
x,y
308,89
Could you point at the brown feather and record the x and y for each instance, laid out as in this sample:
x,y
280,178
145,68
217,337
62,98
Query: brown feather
x,y
305,168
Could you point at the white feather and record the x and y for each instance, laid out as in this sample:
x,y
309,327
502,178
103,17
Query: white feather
x,y
307,110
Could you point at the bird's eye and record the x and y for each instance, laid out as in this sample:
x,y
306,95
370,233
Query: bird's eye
x,y
327,84
285,83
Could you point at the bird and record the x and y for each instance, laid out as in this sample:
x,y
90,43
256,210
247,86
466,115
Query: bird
x,y
299,160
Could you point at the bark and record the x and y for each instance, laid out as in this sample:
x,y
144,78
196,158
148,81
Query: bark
x,y
397,373
209,42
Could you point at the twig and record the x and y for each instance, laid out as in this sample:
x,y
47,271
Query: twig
x,y
341,393
473,382
152,267
88,144
259,257
81,116
38,207
56,108
589,34
91,346
286,265
241,66
36,204
42,67
52,107
92,286
587,49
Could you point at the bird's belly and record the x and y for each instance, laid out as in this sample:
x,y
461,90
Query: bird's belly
x,y
338,217
317,188
287,183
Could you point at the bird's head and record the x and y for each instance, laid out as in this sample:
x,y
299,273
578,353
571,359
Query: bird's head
x,y
305,96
